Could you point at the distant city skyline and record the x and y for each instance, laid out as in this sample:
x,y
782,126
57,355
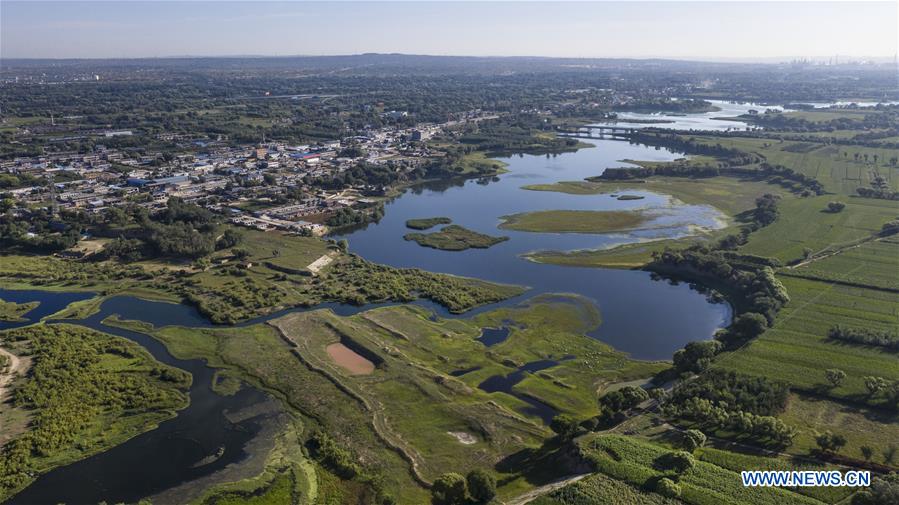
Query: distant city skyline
x,y
719,31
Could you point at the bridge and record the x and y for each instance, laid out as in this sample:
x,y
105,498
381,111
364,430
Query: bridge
x,y
596,131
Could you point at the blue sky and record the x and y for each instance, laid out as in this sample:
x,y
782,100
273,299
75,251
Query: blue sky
x,y
721,30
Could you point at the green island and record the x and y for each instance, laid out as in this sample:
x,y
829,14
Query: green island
x,y
454,238
12,311
575,221
426,223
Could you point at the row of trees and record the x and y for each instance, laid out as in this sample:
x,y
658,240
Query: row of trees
x,y
865,336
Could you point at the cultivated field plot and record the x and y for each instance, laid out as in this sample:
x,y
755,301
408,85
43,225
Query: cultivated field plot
x,y
874,263
797,350
803,225
836,167
633,461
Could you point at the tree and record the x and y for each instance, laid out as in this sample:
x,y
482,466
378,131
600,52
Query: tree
x,y
449,489
481,485
240,253
692,440
624,398
564,425
343,245
229,239
829,442
835,206
867,452
667,487
883,490
875,385
834,376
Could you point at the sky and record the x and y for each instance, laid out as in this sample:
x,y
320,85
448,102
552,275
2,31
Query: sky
x,y
722,30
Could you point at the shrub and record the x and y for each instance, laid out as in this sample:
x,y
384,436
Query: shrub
x,y
449,489
835,206
667,487
692,440
481,486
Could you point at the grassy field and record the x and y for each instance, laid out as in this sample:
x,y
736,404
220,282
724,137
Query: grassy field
x,y
574,221
454,238
599,488
861,427
797,350
874,263
804,225
632,460
836,167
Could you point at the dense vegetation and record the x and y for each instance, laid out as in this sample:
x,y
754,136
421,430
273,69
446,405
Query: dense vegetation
x,y
86,391
454,238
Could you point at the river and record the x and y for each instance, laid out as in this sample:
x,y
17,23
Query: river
x,y
645,317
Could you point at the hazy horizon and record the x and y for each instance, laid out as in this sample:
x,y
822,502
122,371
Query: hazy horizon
x,y
698,31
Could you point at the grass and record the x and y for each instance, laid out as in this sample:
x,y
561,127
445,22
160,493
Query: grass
x,y
803,225
425,223
599,488
730,195
288,476
410,403
479,163
861,427
796,349
272,277
574,221
105,390
632,460
874,263
454,238
12,311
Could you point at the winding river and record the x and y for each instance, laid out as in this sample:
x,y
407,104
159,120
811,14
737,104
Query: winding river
x,y
647,318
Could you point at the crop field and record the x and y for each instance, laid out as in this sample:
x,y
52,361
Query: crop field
x,y
804,225
874,263
598,488
836,167
633,461
737,462
797,350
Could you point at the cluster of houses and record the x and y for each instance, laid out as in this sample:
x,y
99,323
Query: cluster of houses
x,y
264,186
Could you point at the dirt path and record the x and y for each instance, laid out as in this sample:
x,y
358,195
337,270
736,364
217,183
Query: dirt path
x,y
542,490
815,258
6,376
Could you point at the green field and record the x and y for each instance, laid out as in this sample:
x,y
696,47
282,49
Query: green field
x,y
454,238
874,263
797,350
632,460
804,225
731,195
575,221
